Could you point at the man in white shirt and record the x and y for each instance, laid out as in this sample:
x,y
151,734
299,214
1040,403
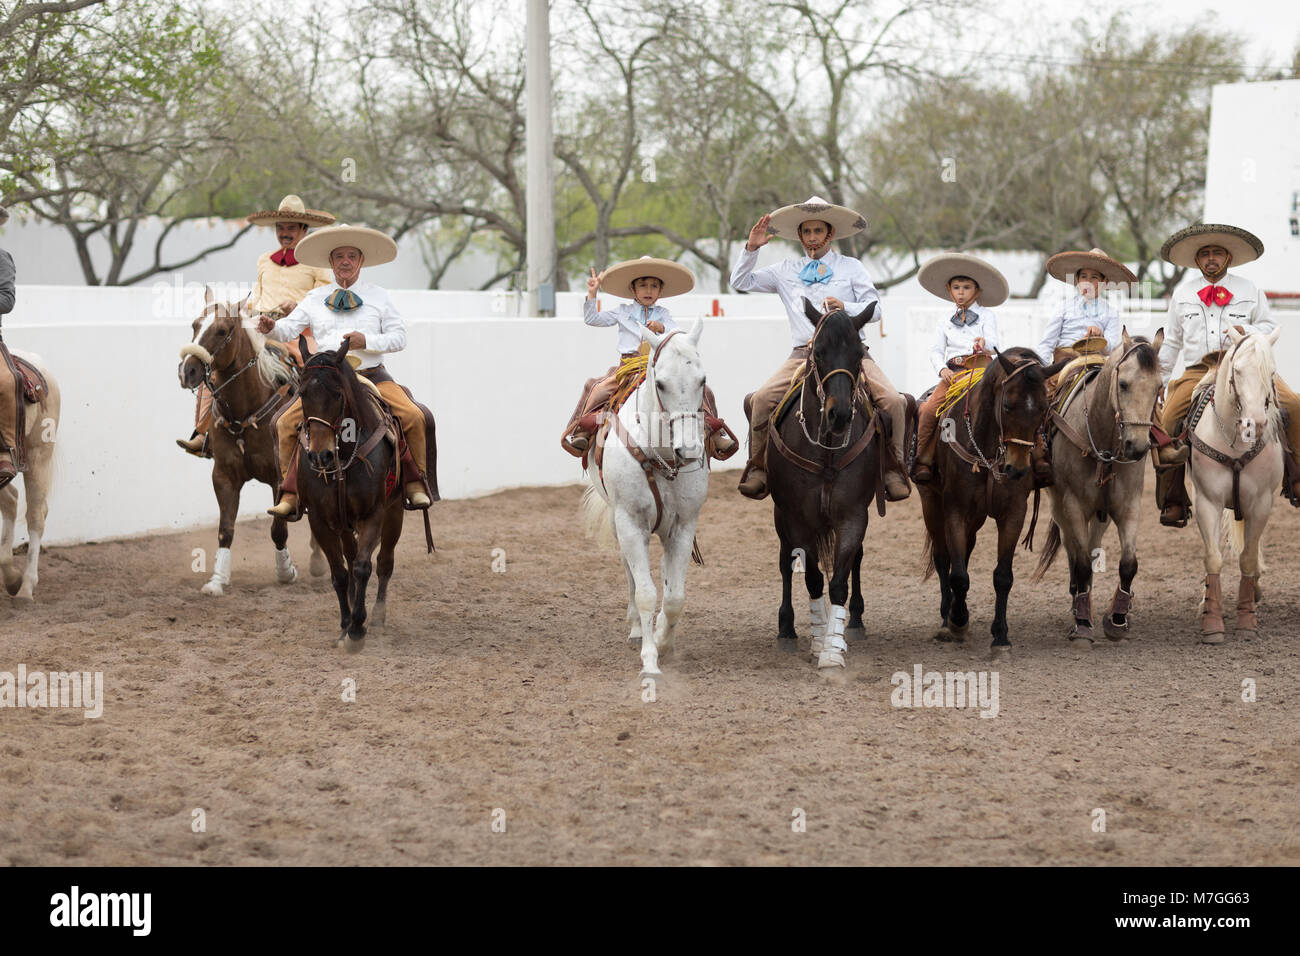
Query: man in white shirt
x,y
1083,311
829,281
363,313
1200,312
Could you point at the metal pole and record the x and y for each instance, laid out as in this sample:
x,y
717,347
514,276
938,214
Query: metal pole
x,y
539,153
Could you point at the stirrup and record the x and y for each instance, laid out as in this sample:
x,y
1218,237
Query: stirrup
x,y
291,513
416,497
580,441
1169,522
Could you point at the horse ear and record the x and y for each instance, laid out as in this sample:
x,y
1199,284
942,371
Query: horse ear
x,y
1159,339
694,334
1273,336
1127,339
1008,366
814,314
860,321
207,295
1233,335
342,351
647,335
303,350
1056,367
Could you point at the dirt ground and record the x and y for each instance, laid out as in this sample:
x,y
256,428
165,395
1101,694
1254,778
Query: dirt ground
x,y
511,697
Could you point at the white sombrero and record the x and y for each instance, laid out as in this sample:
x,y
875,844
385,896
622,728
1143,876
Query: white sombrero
x,y
618,278
785,221
1181,247
315,249
1065,264
291,210
936,273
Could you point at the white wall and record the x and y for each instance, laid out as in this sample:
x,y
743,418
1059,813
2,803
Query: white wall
x,y
500,385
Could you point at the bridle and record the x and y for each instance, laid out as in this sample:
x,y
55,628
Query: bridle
x,y
1271,397
360,449
821,380
678,466
225,416
1108,457
1003,441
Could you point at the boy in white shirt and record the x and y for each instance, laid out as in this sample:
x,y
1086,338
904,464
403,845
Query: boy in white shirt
x,y
1083,311
973,286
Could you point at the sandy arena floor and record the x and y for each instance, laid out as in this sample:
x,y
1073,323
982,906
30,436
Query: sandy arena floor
x,y
516,692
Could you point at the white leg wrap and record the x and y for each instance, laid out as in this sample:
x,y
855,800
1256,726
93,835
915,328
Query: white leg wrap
x,y
285,572
220,573
817,617
834,647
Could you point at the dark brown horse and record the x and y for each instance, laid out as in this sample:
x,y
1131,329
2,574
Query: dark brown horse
x,y
824,468
349,482
250,384
982,470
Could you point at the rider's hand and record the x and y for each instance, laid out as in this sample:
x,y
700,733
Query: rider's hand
x,y
946,373
265,324
758,235
593,284
287,306
1240,329
832,304
978,344
355,340
1093,330
656,327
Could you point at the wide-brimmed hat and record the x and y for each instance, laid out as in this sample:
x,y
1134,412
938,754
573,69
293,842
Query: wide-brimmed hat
x,y
315,249
618,278
936,273
1065,264
291,210
1182,246
786,220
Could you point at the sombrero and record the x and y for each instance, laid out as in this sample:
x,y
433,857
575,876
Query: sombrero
x,y
1181,247
618,278
936,272
315,249
785,221
1065,264
291,210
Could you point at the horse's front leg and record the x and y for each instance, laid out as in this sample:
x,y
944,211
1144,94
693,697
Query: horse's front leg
x,y
634,541
849,546
1248,587
1209,516
634,634
856,631
672,571
333,551
9,510
285,572
786,636
1116,622
362,565
384,561
227,486
1008,533
958,539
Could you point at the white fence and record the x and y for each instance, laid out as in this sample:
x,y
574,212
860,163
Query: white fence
x,y
500,385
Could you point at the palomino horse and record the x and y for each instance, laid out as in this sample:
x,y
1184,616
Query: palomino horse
x,y
1236,465
352,510
1102,433
41,424
982,470
822,482
653,480
222,354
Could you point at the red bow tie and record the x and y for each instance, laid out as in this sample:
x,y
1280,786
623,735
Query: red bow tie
x,y
1215,295
285,257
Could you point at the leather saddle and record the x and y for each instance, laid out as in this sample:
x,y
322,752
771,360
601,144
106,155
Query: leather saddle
x,y
381,374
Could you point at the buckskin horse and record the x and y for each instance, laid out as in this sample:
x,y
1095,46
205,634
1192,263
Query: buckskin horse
x,y
822,482
38,424
652,478
1236,466
250,383
352,510
982,470
1099,442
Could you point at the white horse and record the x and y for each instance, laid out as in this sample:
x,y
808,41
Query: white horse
x,y
42,424
1242,421
663,422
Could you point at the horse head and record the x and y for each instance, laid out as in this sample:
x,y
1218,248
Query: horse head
x,y
330,407
215,344
1244,382
1133,371
837,353
1016,387
675,378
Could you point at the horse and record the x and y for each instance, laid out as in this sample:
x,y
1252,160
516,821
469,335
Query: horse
x,y
1093,485
1236,469
223,351
822,485
40,421
1002,413
653,479
351,510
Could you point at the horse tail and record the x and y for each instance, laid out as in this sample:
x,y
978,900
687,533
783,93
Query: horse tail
x,y
1232,535
927,554
598,518
1050,549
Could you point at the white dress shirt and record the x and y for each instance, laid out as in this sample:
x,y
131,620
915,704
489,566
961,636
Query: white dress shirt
x,y
1196,329
376,318
1070,321
633,314
848,283
953,341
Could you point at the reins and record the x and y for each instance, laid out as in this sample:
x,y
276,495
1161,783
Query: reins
x,y
225,416
1106,458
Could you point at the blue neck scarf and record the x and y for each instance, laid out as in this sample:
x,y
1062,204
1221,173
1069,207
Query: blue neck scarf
x,y
957,317
816,271
343,300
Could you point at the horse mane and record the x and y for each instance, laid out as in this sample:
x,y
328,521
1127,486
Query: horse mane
x,y
362,406
1253,347
271,365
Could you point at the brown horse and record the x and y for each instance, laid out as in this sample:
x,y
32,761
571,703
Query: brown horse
x,y
249,384
824,468
982,470
352,509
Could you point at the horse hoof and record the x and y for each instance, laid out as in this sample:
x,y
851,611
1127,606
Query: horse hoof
x,y
787,645
656,676
948,636
1247,633
1215,637
25,596
1080,633
288,576
378,616
1080,642
354,647
830,660
856,633
319,566
213,588
1116,632
634,640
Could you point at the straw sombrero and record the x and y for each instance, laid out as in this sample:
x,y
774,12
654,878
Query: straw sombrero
x,y
1065,264
618,278
936,272
785,221
291,210
1181,247
315,249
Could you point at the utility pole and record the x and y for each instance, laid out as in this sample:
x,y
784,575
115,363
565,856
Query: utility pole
x,y
539,154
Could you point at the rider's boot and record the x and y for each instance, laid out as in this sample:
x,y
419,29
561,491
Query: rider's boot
x,y
414,483
896,485
724,446
584,430
196,444
1041,464
287,506
753,480
7,470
